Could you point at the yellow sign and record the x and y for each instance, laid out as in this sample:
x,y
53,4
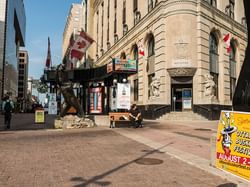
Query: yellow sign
x,y
39,116
233,143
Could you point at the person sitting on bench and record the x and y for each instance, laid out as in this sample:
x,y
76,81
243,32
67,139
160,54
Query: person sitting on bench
x,y
135,116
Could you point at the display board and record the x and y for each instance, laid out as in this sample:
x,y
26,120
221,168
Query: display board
x,y
233,143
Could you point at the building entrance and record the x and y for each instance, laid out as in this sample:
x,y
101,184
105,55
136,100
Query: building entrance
x,y
181,97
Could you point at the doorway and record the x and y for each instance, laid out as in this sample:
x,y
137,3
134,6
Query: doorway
x,y
181,97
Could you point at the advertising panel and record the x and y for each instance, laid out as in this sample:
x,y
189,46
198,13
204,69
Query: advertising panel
x,y
95,100
123,96
52,104
233,143
39,116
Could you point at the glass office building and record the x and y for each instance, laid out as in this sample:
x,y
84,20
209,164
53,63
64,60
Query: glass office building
x,y
12,37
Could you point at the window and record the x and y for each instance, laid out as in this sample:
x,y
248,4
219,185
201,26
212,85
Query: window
x,y
212,2
150,5
102,23
108,8
135,5
232,70
123,55
151,45
97,30
137,17
115,24
124,12
136,88
231,10
136,84
213,59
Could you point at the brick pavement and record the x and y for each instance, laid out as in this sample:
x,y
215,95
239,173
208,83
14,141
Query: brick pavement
x,y
99,156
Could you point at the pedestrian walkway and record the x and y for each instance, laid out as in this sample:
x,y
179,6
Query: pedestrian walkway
x,y
187,141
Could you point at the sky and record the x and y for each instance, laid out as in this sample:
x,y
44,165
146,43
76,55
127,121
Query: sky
x,y
45,18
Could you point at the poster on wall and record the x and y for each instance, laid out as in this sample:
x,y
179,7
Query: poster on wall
x,y
123,96
112,98
95,100
233,143
52,104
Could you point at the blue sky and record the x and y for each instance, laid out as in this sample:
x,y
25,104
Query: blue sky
x,y
44,18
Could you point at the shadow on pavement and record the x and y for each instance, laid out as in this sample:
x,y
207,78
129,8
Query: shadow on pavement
x,y
228,185
95,179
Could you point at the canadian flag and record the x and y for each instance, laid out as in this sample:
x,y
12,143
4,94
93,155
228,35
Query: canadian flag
x,y
226,39
80,45
141,50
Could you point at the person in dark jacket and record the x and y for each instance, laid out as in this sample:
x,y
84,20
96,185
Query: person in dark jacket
x,y
7,108
135,116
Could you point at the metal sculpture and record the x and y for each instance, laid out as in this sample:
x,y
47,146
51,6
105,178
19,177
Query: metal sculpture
x,y
66,88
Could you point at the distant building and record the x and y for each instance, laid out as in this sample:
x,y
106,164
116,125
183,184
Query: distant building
x,y
12,37
186,66
73,26
23,79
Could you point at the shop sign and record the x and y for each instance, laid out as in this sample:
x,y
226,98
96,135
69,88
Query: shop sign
x,y
125,65
233,143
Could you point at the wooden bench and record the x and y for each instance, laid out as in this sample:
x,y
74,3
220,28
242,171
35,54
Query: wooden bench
x,y
118,117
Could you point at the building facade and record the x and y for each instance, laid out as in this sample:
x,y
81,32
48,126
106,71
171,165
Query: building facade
x,y
183,62
73,26
12,37
23,79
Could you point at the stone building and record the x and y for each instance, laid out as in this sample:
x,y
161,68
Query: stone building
x,y
12,37
186,66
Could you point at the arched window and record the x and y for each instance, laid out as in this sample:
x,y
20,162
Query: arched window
x,y
135,52
232,70
151,45
213,60
123,55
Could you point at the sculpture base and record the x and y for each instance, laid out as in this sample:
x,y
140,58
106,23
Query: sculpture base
x,y
73,122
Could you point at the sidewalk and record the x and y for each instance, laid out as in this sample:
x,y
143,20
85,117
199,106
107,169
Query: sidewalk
x,y
36,155
188,141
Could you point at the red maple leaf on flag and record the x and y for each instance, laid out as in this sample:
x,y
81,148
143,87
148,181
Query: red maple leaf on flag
x,y
80,45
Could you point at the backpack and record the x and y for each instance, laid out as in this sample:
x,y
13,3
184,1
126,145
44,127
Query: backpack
x,y
7,107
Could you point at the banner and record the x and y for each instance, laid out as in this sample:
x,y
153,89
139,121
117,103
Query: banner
x,y
52,104
123,96
233,143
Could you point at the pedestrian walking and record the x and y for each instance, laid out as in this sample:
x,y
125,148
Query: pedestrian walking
x,y
135,116
7,108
